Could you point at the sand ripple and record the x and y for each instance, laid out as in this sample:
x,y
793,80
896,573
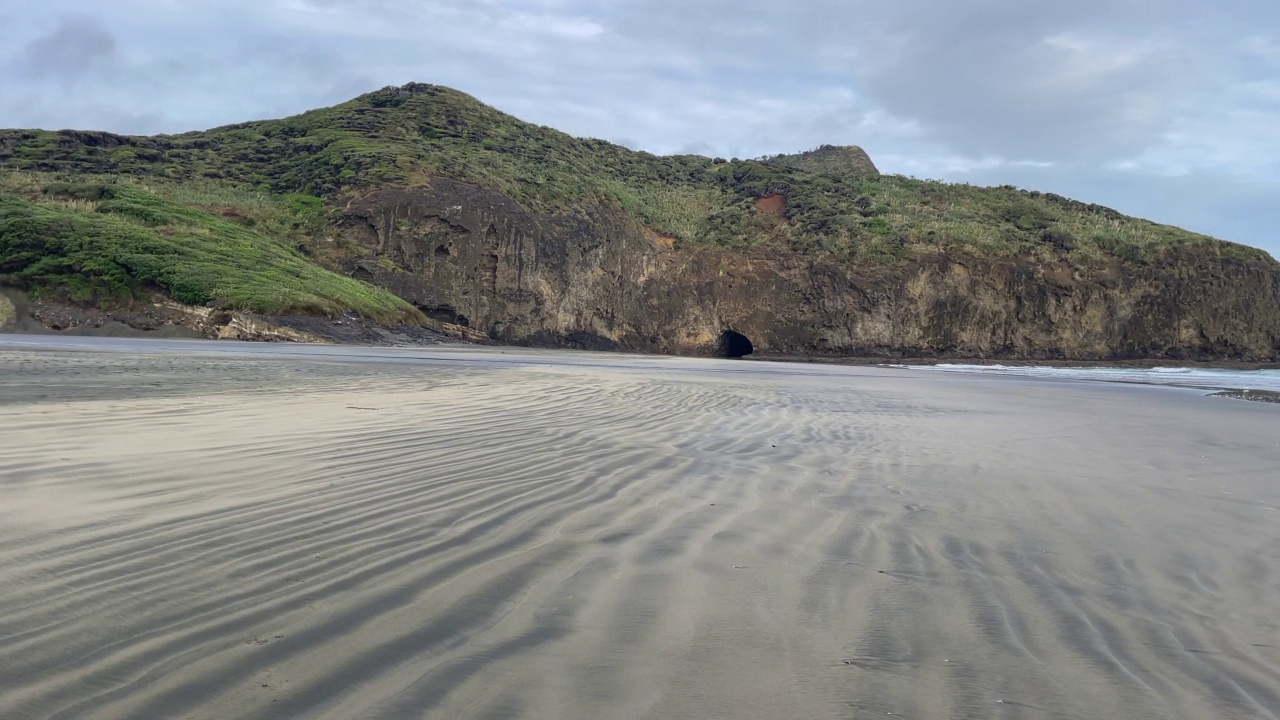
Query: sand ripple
x,y
223,538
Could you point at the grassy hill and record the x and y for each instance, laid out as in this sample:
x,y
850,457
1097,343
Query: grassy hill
x,y
105,241
221,216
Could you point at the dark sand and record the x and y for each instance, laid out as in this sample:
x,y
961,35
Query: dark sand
x,y
258,533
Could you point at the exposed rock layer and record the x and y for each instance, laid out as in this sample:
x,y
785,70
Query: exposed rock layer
x,y
473,257
161,317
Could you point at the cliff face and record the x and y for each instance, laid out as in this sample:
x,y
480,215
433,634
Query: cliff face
x,y
471,256
494,227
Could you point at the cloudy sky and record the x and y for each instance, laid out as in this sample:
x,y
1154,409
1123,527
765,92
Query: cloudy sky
x,y
1166,109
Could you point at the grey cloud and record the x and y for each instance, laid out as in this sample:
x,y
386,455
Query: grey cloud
x,y
76,48
1031,89
1017,79
697,147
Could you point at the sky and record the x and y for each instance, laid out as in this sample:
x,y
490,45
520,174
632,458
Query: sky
x,y
1164,109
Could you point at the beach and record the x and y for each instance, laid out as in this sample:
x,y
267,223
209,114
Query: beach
x,y
275,532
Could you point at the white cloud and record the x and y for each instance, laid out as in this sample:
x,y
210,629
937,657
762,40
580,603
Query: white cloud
x,y
1262,47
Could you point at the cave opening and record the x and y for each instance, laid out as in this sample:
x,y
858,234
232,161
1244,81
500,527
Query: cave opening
x,y
445,314
733,345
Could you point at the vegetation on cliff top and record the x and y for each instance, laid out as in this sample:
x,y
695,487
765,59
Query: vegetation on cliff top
x,y
830,202
114,242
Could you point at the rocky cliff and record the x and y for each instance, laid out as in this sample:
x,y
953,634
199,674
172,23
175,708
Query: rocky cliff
x,y
474,257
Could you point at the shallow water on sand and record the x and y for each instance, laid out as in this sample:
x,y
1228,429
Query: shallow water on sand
x,y
1204,378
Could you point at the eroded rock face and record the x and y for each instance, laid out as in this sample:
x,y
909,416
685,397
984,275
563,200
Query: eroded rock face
x,y
599,282
160,317
834,159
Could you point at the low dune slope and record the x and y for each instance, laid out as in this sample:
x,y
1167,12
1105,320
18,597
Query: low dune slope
x,y
234,538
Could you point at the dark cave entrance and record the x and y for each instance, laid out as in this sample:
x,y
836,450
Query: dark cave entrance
x,y
733,345
445,314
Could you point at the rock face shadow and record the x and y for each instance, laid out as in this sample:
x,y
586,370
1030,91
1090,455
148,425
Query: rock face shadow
x,y
445,313
733,345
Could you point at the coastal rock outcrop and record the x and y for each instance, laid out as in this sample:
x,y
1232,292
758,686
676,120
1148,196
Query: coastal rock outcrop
x,y
485,227
476,257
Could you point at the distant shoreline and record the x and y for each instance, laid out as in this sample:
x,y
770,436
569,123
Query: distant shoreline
x,y
117,330
1023,362
1232,383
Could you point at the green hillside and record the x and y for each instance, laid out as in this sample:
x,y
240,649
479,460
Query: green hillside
x,y
106,242
110,215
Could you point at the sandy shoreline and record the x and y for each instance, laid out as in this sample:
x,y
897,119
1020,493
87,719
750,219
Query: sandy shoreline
x,y
467,534
1023,362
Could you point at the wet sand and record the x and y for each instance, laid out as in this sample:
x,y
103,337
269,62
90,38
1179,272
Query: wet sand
x,y
478,534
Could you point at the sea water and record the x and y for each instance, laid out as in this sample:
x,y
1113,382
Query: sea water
x,y
1209,379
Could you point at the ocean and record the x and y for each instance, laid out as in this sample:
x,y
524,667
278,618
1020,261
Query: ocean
x,y
1203,378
